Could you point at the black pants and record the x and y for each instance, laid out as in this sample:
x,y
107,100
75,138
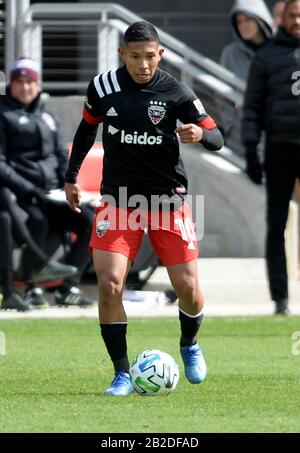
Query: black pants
x,y
49,218
282,167
6,248
14,232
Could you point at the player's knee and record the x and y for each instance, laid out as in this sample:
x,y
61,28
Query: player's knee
x,y
186,289
110,287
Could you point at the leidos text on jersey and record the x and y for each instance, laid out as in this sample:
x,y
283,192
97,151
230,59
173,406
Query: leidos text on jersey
x,y
143,139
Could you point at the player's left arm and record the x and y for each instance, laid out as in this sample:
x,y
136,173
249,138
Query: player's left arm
x,y
197,125
194,133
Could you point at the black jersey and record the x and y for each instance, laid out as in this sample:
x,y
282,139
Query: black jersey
x,y
141,150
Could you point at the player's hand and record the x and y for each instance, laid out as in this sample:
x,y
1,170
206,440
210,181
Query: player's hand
x,y
73,196
189,133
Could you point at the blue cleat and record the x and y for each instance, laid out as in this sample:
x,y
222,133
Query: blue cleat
x,y
194,363
121,385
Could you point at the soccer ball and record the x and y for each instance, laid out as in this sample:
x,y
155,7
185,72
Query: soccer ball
x,y
154,372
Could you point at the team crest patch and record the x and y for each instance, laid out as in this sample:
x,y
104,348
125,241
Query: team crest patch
x,y
49,120
156,111
102,227
199,106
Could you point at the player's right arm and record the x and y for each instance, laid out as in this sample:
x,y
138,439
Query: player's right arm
x,y
83,141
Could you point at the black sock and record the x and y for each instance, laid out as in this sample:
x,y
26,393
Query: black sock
x,y
190,326
114,337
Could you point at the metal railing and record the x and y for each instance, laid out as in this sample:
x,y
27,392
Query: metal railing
x,y
110,16
109,21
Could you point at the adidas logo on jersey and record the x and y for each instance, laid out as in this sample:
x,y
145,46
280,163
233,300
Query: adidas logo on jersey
x,y
143,139
111,112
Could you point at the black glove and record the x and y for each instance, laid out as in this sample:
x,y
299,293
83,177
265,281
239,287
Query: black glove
x,y
254,167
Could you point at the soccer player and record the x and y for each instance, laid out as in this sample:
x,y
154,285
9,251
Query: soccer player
x,y
139,105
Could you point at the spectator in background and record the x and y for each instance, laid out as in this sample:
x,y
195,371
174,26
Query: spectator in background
x,y
33,160
13,230
277,12
252,26
272,104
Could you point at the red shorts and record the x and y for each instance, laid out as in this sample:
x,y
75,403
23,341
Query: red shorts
x,y
120,230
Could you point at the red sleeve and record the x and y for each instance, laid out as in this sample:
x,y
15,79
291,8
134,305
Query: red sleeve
x,y
207,123
90,118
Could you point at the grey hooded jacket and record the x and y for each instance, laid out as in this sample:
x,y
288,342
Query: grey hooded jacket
x,y
237,56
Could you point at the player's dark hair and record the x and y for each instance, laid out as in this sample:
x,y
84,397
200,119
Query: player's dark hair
x,y
141,31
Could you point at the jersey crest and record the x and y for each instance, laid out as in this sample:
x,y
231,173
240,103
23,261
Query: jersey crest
x,y
156,111
102,227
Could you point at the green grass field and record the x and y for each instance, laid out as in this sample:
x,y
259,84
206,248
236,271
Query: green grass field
x,y
55,371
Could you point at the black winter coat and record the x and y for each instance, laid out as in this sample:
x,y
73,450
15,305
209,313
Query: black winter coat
x,y
272,100
32,151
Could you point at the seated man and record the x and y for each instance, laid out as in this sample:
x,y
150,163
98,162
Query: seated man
x,y
33,160
13,229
